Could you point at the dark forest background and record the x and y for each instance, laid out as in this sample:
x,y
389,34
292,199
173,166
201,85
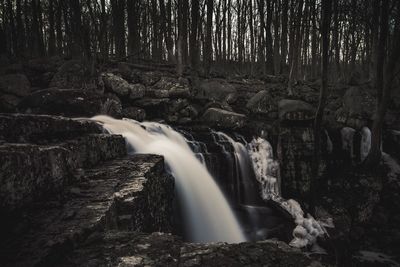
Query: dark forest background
x,y
259,37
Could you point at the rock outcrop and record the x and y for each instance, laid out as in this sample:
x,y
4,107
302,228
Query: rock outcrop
x,y
220,118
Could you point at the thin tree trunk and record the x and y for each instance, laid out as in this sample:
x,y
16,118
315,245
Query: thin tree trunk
x,y
284,21
325,29
296,49
208,44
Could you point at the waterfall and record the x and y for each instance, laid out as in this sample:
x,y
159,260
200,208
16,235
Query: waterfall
x,y
243,165
206,213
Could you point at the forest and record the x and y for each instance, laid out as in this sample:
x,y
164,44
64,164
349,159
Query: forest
x,y
281,118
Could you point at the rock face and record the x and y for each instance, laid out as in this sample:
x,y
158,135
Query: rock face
x,y
223,119
51,149
157,249
38,129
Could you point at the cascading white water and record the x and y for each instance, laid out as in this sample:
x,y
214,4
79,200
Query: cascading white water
x,y
265,167
365,146
207,215
267,173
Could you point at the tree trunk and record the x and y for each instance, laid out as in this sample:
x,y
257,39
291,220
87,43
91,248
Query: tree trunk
x,y
194,52
52,36
118,14
384,86
261,38
208,44
284,45
133,9
269,41
325,29
296,49
277,60
164,30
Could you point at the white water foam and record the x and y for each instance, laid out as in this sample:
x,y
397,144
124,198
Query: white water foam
x,y
267,173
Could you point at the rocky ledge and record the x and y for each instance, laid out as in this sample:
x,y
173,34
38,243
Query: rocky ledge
x,y
132,193
136,249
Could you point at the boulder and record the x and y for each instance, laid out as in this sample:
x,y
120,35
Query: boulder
x,y
15,84
223,119
134,113
121,87
169,87
295,110
73,103
72,74
261,103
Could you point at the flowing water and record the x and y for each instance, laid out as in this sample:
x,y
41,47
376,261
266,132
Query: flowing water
x,y
208,216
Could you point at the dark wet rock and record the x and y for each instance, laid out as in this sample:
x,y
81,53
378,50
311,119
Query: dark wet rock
x,y
262,103
295,110
121,87
132,193
157,249
47,168
134,113
26,128
65,102
15,84
223,119
169,87
72,74
356,111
